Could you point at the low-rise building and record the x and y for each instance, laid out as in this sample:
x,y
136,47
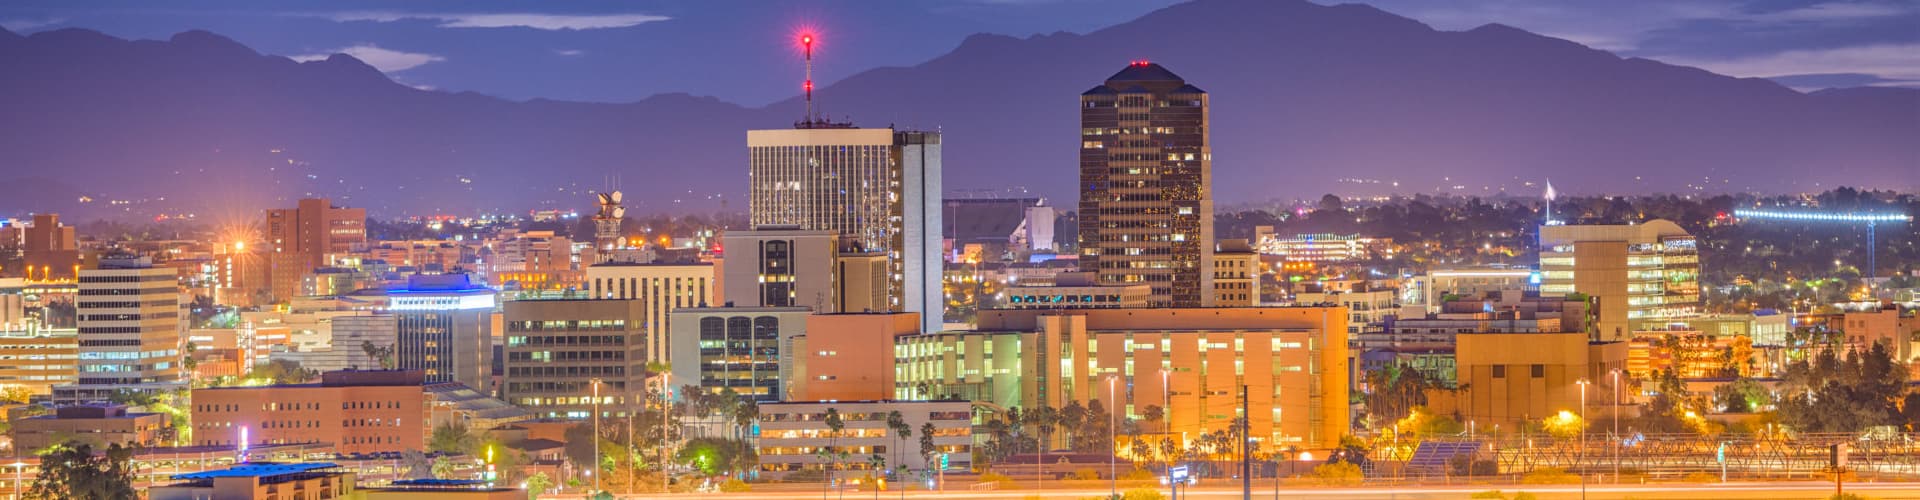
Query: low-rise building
x,y
38,358
556,350
95,425
1191,362
1510,378
261,481
791,434
355,411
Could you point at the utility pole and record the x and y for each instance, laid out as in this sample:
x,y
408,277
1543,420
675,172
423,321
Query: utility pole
x,y
1246,446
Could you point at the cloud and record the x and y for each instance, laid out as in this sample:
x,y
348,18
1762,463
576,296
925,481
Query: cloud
x,y
552,22
385,60
570,52
22,25
1894,63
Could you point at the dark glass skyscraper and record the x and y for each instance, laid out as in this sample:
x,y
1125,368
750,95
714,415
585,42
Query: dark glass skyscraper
x,y
1146,173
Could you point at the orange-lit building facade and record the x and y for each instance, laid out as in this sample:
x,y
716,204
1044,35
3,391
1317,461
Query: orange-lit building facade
x,y
300,238
355,411
848,356
1191,362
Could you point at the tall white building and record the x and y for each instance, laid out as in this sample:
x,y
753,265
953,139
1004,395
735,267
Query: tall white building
x,y
880,187
131,326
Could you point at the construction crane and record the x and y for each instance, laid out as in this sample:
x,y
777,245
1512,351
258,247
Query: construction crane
x,y
1873,220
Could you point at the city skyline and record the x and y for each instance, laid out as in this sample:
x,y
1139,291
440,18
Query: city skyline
x,y
1268,245
1677,131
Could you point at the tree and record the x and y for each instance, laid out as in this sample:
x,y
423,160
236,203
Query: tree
x,y
16,395
1155,414
1828,394
834,426
898,424
716,456
453,438
381,355
538,485
926,444
1393,392
1743,395
72,471
282,372
580,445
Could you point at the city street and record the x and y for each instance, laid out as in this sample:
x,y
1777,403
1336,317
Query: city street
x,y
1727,491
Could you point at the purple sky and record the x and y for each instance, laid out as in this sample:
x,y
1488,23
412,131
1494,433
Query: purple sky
x,y
625,50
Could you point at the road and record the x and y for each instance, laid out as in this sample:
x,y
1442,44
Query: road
x,y
1717,491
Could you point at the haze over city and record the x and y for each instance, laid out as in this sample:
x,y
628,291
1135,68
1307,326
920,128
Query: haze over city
x,y
1120,250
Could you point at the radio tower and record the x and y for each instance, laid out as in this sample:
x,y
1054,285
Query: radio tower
x,y
806,43
812,120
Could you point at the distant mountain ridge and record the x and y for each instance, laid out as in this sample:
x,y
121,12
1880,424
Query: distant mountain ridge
x,y
1303,95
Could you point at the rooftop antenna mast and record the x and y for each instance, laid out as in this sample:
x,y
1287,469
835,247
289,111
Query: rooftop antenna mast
x,y
806,43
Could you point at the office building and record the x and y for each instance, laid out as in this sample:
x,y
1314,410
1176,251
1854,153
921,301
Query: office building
x,y
847,356
48,251
261,481
352,411
661,288
38,358
791,433
131,330
557,348
1637,274
1236,274
1146,185
95,425
879,188
737,348
443,327
1293,361
1365,305
782,266
300,238
1325,248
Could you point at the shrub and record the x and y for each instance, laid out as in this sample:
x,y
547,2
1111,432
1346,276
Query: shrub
x,y
1468,465
806,476
1338,474
998,479
734,486
1142,494
1138,474
1549,475
1524,496
1086,474
1489,494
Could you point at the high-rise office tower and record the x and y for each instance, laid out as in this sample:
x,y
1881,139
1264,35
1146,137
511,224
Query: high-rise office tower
x,y
131,326
877,187
300,238
1146,182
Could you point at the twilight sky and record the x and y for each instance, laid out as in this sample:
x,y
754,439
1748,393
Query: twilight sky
x,y
627,50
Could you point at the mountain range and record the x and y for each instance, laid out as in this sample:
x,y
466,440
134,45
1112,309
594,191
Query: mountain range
x,y
1307,99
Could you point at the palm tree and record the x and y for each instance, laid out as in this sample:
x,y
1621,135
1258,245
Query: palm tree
x,y
898,424
1155,413
744,414
834,425
1072,418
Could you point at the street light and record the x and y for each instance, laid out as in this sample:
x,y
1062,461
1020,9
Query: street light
x,y
1583,436
19,470
595,442
1113,459
1615,441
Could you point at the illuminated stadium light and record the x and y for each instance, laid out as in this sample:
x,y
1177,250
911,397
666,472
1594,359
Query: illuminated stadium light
x,y
1821,216
1872,220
